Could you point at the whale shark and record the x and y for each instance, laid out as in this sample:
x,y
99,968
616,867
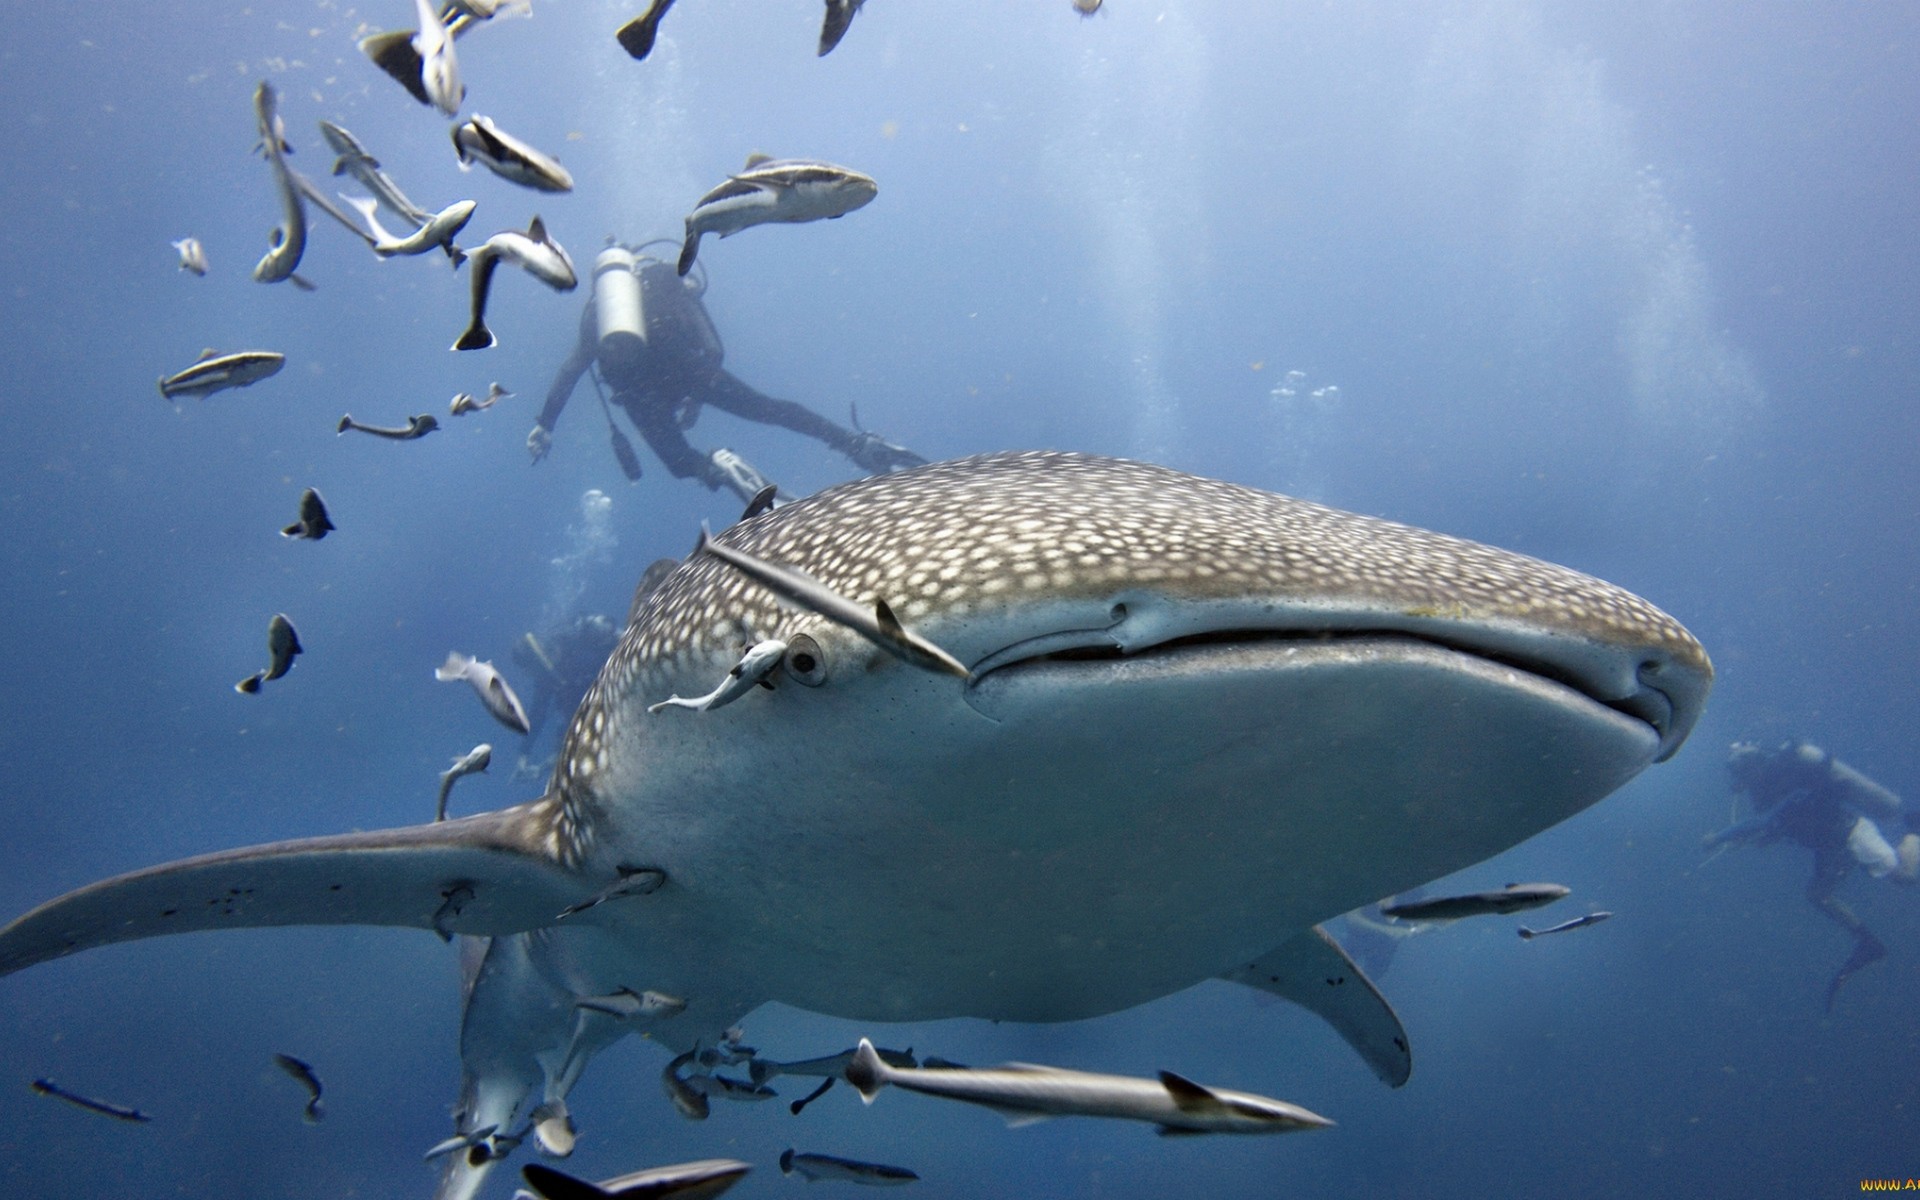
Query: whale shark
x,y
1192,721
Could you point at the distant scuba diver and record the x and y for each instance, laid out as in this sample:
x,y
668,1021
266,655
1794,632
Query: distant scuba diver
x,y
558,668
1799,792
655,346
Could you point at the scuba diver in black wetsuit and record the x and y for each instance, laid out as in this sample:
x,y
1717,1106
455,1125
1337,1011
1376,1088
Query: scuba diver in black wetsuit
x,y
1799,792
659,353
556,669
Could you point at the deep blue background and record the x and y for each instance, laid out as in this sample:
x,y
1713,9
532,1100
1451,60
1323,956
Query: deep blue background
x,y
1631,287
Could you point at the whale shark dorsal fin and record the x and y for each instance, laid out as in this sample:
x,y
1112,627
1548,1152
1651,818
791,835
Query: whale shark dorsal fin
x,y
208,353
538,230
755,159
491,874
1312,970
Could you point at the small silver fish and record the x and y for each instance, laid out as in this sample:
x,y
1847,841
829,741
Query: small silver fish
x,y
289,238
832,1066
1592,918
283,646
304,1075
817,1167
472,762
533,251
1026,1092
464,403
417,426
437,232
351,158
1515,897
488,684
439,65
314,523
119,1112
775,191
633,881
685,1181
1086,8
478,139
215,372
193,256
753,668
834,26
629,1005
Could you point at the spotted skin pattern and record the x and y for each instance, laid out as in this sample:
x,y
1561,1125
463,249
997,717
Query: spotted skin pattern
x,y
947,539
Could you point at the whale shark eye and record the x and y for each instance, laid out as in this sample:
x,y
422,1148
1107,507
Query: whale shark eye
x,y
806,663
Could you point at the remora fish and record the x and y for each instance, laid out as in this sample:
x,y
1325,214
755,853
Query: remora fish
x,y
834,25
816,1167
684,1181
394,52
1592,918
507,156
417,426
303,1074
283,646
351,158
119,1112
775,190
1024,1092
535,252
289,238
832,1066
636,36
314,522
464,403
474,760
193,256
489,685
629,1005
878,625
439,65
1515,897
215,372
439,230
1129,626
752,669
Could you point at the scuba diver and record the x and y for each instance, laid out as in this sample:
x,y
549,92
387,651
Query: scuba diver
x,y
657,350
557,670
1799,792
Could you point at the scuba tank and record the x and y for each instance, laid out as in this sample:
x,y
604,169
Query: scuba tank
x,y
620,314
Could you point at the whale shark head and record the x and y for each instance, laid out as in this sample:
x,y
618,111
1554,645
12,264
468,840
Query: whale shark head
x,y
1200,718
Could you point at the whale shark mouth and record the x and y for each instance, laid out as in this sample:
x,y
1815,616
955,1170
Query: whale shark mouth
x,y
1601,683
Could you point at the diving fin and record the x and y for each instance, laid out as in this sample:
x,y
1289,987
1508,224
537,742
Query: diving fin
x,y
1312,970
485,875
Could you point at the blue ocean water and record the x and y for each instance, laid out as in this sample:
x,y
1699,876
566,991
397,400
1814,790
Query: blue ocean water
x,y
1629,287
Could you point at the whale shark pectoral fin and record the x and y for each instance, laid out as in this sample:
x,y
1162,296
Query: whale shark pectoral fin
x,y
491,874
1312,970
